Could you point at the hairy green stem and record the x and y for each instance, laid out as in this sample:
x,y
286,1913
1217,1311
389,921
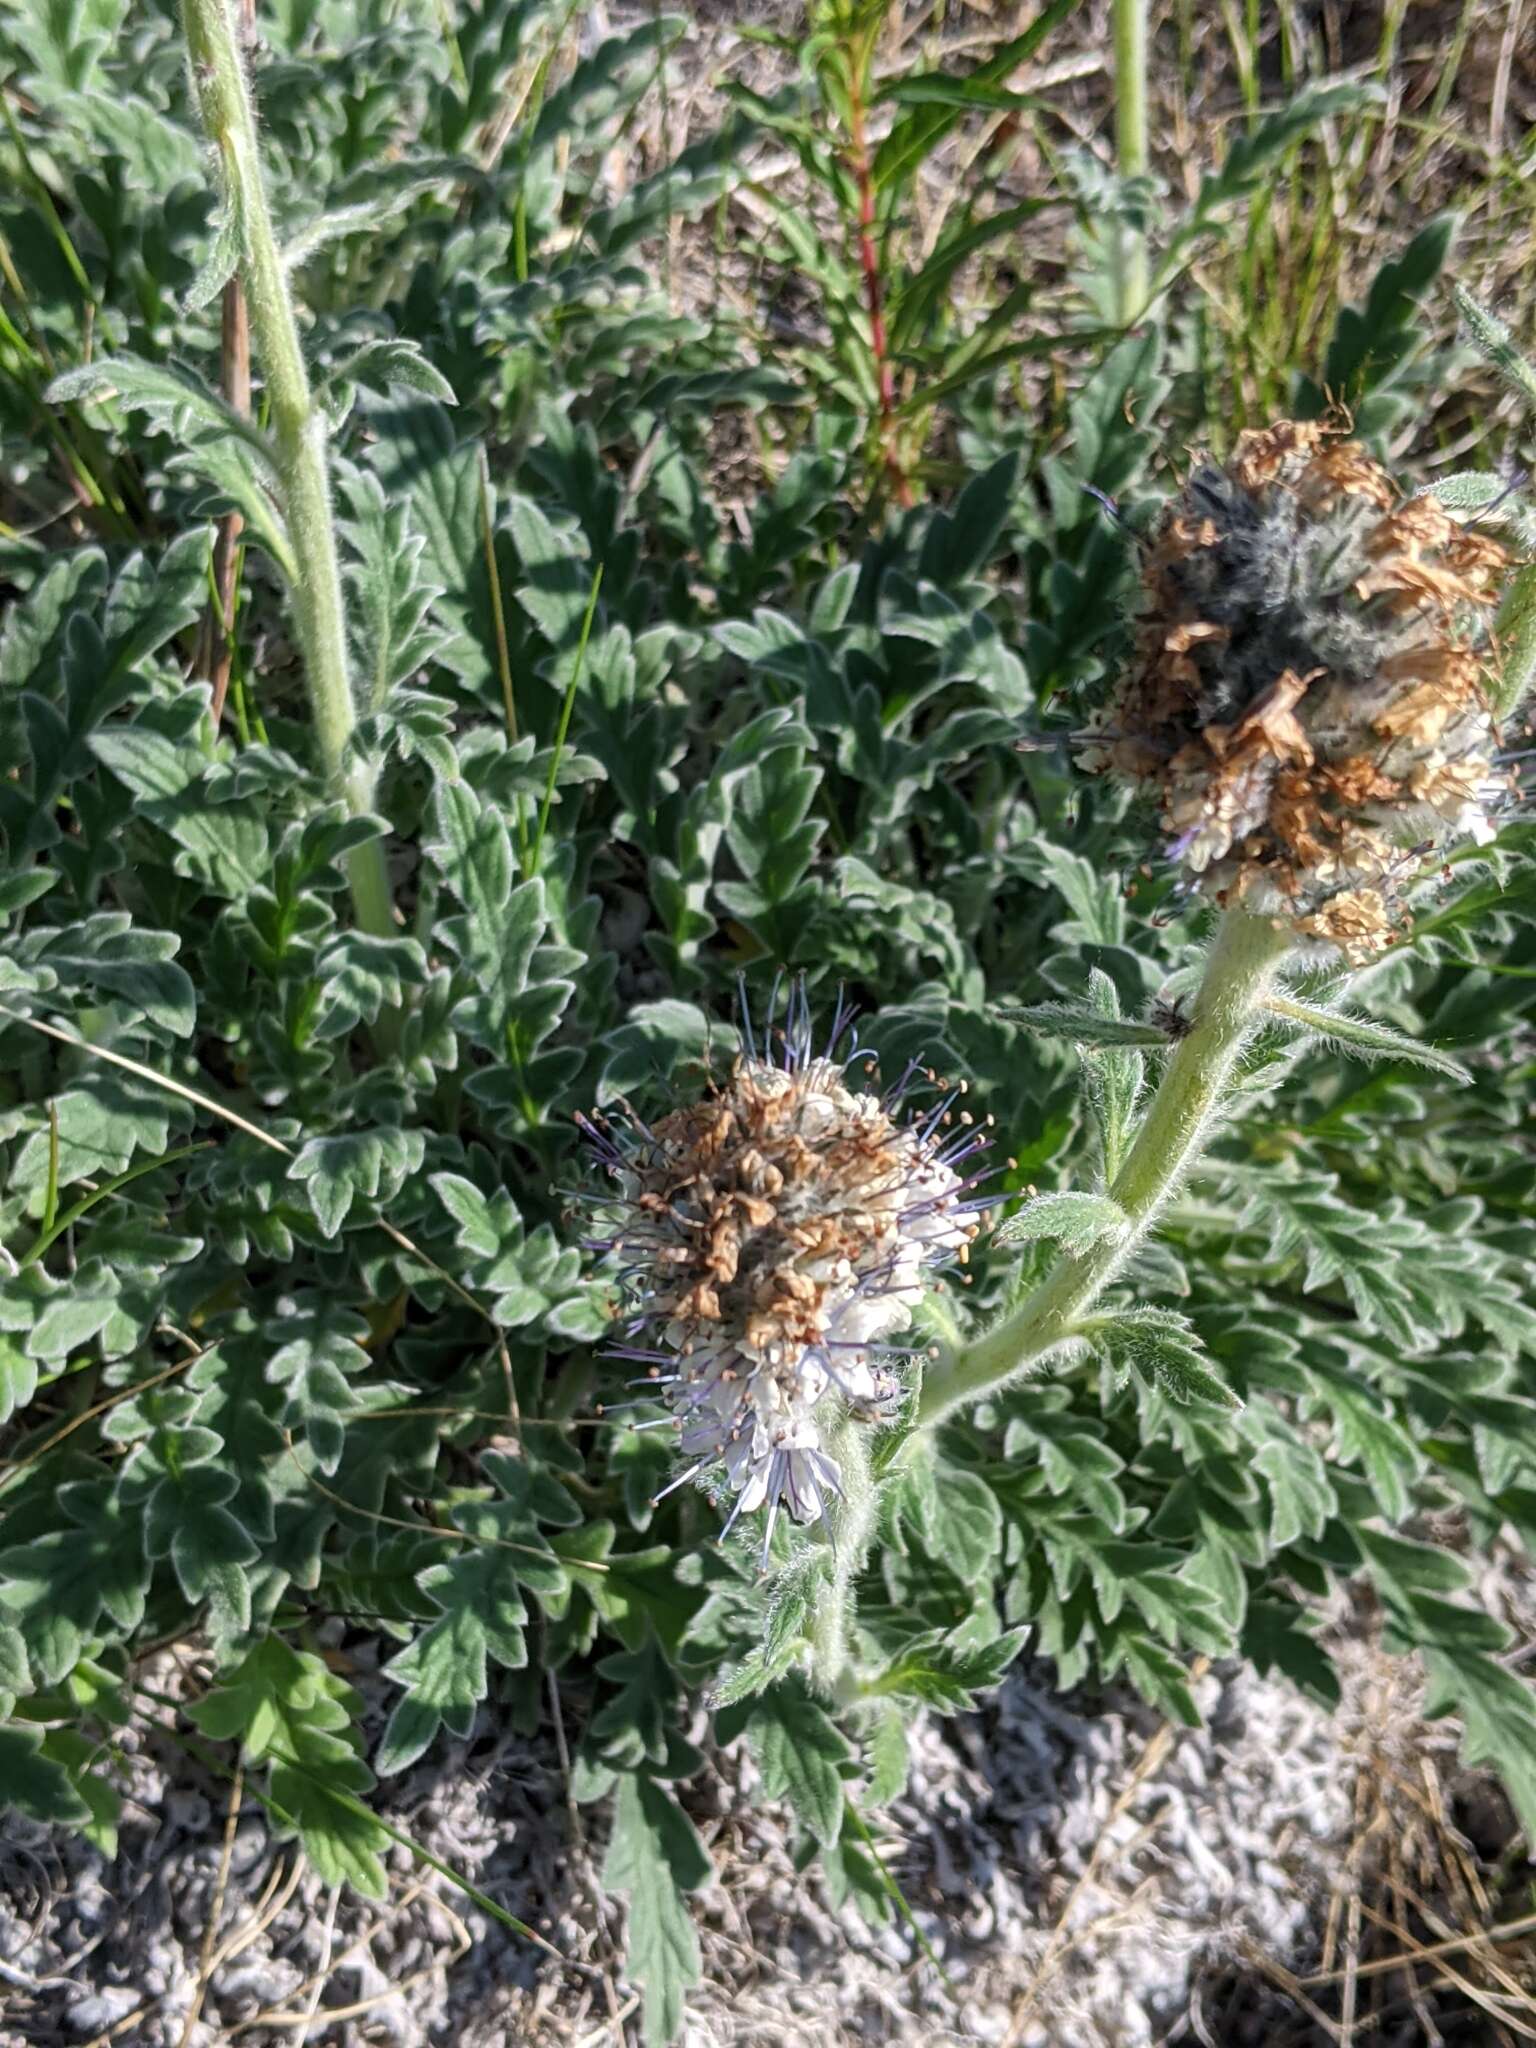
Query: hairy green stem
x,y
1131,153
1238,973
852,1532
298,432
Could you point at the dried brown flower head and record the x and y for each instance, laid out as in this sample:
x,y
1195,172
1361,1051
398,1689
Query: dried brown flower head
x,y
774,1232
1306,697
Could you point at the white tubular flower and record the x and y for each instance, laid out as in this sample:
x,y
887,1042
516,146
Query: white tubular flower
x,y
773,1235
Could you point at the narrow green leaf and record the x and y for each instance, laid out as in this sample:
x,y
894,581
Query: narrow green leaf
x,y
223,256
1254,151
1468,490
1517,642
915,137
1112,1078
1363,1036
1082,1024
1495,341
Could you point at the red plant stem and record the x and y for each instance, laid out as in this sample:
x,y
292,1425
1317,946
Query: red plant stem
x,y
215,648
216,653
874,295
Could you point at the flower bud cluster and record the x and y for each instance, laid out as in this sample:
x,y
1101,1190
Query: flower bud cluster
x,y
1307,696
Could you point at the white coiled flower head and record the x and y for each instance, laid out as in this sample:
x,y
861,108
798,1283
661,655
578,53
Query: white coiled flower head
x,y
773,1234
1307,699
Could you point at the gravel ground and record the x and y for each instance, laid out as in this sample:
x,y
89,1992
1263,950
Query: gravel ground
x,y
1082,1875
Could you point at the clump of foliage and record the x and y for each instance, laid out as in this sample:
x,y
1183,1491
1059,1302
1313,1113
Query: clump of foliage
x,y
531,749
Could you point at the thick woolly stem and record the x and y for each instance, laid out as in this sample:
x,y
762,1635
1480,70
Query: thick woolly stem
x,y
1238,974
298,432
852,1532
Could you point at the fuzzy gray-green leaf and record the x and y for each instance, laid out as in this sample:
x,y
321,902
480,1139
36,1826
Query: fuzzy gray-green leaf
x,y
1073,1218
1364,1037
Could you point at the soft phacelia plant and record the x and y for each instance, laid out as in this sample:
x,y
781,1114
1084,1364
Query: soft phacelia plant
x,y
293,1354
772,1235
1307,699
